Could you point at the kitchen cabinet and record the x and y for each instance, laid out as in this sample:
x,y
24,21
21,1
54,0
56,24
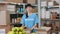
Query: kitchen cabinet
x,y
4,18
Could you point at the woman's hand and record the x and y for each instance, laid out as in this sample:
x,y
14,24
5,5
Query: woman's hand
x,y
35,26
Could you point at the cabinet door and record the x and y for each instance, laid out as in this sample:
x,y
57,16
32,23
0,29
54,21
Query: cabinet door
x,y
4,18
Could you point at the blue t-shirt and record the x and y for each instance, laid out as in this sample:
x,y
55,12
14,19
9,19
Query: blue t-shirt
x,y
30,21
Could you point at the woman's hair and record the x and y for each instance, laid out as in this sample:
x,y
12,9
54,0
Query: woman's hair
x,y
26,15
28,5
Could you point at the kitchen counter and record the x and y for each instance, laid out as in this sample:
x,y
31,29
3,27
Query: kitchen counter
x,y
42,30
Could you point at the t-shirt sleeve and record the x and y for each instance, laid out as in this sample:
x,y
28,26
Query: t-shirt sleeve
x,y
36,19
23,19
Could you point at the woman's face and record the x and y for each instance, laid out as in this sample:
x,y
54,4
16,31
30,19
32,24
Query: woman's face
x,y
29,9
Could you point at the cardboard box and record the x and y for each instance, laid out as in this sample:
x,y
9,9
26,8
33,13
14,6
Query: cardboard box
x,y
43,3
31,1
16,1
11,7
2,31
57,24
55,3
5,29
4,18
50,3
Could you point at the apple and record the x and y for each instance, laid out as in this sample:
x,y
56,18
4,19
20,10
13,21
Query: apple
x,y
15,29
23,32
20,32
16,32
32,33
21,29
10,32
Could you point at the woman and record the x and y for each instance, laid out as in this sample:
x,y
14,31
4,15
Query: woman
x,y
29,20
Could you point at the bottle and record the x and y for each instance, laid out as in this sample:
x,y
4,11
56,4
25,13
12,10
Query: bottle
x,y
47,14
15,20
54,15
12,20
43,13
21,9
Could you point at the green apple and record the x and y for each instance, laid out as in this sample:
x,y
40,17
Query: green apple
x,y
20,32
32,33
23,32
15,29
10,32
16,32
21,29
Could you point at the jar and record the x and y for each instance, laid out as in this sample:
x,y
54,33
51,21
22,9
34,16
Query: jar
x,y
53,15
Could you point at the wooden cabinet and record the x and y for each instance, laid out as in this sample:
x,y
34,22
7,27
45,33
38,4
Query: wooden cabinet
x,y
4,18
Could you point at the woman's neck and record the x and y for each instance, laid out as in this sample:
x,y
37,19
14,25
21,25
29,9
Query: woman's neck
x,y
29,13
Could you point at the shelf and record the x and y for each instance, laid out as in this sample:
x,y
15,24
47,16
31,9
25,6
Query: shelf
x,y
51,19
16,3
3,3
23,13
20,3
36,13
53,7
20,13
34,5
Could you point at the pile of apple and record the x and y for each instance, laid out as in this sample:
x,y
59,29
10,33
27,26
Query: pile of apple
x,y
17,30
